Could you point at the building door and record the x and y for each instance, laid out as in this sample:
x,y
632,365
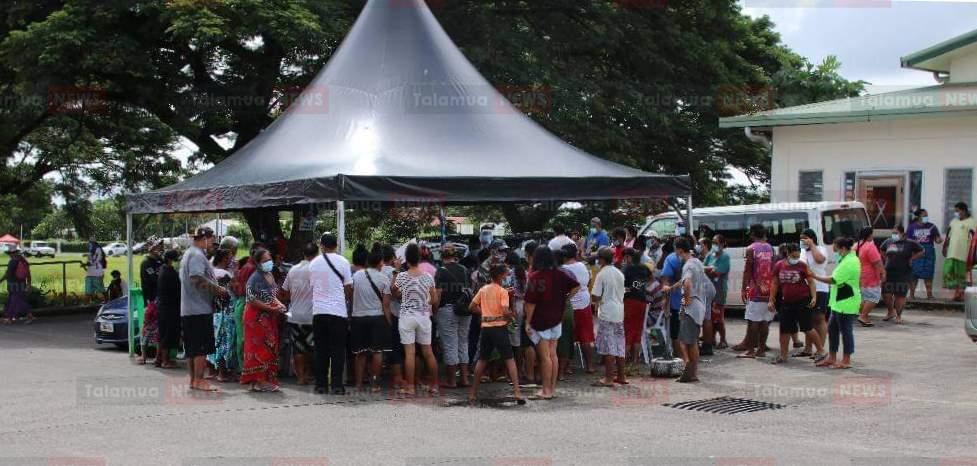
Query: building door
x,y
884,198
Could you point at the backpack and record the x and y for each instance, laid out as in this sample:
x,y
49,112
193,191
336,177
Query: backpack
x,y
21,271
465,295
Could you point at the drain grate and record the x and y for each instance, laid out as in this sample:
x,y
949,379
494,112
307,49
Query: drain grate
x,y
725,405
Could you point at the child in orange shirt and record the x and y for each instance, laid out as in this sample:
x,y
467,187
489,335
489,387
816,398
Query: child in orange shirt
x,y
492,304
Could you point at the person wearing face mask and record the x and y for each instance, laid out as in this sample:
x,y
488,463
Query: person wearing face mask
x,y
717,269
845,302
927,235
794,283
262,314
653,248
618,237
899,254
817,260
697,295
597,238
957,250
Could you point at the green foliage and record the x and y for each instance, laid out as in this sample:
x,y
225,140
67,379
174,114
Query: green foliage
x,y
28,209
642,85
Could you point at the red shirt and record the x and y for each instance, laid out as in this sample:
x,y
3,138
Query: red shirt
x,y
869,255
793,281
549,291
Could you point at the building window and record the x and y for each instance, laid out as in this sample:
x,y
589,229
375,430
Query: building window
x,y
958,185
810,186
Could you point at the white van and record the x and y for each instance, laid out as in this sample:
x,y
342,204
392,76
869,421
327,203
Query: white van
x,y
784,222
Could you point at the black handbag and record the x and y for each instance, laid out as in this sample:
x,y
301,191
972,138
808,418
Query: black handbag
x,y
465,296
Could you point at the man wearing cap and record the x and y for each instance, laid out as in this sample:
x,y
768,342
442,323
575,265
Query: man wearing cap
x,y
149,278
332,288
596,239
198,288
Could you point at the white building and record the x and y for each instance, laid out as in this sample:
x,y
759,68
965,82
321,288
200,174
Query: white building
x,y
894,151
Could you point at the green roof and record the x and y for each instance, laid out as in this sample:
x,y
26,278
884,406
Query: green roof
x,y
935,101
932,58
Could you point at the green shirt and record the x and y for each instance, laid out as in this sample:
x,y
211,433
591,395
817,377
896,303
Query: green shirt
x,y
848,272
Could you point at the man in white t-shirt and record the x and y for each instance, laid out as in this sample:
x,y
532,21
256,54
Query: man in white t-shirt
x,y
332,287
583,315
560,239
298,290
608,296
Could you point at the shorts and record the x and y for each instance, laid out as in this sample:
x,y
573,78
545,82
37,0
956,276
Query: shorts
x,y
94,285
688,330
634,320
550,334
610,338
796,316
198,335
758,312
396,354
897,289
673,324
583,325
492,339
302,340
822,305
414,329
369,334
872,294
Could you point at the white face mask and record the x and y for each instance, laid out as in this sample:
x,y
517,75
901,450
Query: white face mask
x,y
804,246
896,237
793,261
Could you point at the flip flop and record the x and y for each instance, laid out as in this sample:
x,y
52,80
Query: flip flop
x,y
601,383
824,363
840,366
865,324
209,389
802,354
622,382
520,401
778,360
746,356
888,318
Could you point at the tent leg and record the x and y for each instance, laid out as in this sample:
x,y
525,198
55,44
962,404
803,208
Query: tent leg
x,y
129,327
691,229
444,226
341,225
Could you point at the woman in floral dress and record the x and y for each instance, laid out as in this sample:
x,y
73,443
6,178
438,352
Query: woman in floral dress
x,y
224,359
262,314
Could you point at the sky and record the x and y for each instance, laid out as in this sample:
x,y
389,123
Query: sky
x,y
868,36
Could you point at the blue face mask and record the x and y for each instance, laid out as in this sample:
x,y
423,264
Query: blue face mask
x,y
924,219
267,266
715,249
837,257
679,231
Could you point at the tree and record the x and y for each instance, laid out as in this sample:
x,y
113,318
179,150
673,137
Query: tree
x,y
638,82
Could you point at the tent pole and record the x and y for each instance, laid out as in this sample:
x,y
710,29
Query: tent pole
x,y
444,226
341,225
691,229
132,346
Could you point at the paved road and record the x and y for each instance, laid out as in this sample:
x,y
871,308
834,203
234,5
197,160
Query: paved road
x,y
911,399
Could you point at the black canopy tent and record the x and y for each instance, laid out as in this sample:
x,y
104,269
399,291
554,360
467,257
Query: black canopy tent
x,y
399,114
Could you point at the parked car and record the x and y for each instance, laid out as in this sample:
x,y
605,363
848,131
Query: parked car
x,y
112,323
970,308
784,223
115,249
39,249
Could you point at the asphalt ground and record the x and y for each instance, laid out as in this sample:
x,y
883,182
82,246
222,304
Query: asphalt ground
x,y
910,399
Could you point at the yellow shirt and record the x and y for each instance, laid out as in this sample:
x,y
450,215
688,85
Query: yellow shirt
x,y
959,244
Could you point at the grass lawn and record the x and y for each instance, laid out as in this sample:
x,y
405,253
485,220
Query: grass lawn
x,y
49,276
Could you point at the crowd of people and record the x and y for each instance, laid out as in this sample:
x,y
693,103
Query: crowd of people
x,y
393,317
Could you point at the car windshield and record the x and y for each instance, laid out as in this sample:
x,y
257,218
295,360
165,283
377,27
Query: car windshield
x,y
40,244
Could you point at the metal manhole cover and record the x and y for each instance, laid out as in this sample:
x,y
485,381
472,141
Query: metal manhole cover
x,y
725,405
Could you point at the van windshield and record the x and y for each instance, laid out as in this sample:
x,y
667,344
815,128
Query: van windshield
x,y
843,223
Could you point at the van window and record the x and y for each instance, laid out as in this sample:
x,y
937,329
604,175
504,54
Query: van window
x,y
663,226
782,227
843,223
733,227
